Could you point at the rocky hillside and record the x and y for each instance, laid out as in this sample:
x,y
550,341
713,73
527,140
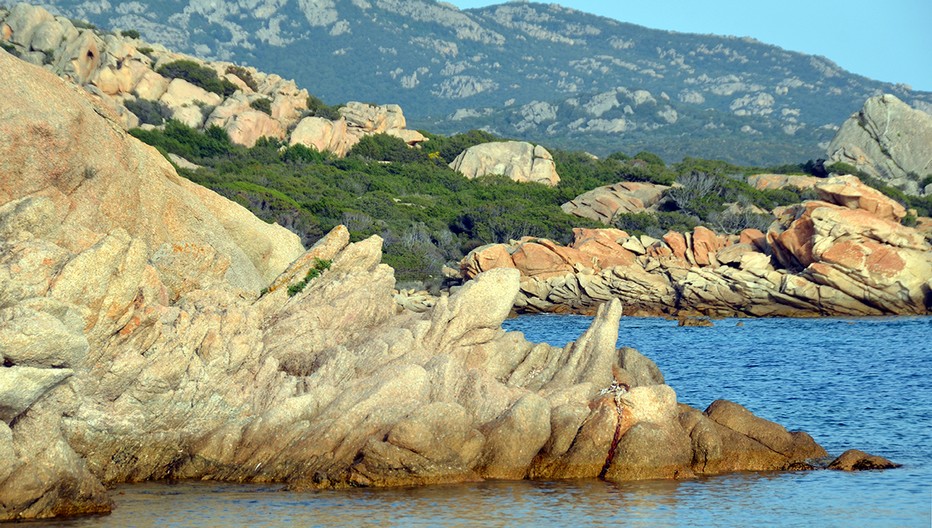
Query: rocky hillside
x,y
888,140
530,71
135,345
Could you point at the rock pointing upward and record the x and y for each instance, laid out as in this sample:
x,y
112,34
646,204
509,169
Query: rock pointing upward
x,y
135,346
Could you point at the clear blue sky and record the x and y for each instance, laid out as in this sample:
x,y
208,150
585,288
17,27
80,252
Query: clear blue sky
x,y
887,40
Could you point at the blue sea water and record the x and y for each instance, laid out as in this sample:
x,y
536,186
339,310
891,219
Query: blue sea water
x,y
850,383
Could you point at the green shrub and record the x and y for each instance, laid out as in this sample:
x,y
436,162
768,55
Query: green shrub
x,y
320,265
245,76
842,168
9,48
654,224
131,33
448,148
650,158
317,108
383,147
149,112
178,138
82,24
197,75
263,104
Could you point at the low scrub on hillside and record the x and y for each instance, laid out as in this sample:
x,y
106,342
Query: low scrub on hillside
x,y
198,75
429,215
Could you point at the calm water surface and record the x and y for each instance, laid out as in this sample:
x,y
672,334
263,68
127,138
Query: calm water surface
x,y
861,383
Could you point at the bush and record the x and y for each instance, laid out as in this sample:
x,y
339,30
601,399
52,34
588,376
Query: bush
x,y
131,33
263,105
245,76
317,108
698,194
319,267
730,222
197,75
9,48
383,147
82,24
178,138
654,224
149,112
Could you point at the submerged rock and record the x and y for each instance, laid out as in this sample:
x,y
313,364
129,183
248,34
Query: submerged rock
x,y
856,460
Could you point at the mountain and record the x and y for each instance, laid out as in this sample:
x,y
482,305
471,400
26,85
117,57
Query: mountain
x,y
530,71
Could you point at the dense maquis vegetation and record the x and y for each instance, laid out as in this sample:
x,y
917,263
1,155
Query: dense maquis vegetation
x,y
430,215
197,75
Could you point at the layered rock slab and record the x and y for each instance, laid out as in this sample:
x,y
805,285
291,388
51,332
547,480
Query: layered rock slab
x,y
846,255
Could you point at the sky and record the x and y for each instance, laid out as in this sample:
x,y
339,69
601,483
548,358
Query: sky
x,y
887,41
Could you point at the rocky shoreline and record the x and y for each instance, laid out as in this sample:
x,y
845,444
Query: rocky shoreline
x,y
846,254
136,346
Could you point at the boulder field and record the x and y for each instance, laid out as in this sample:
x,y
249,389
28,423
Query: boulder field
x,y
123,72
147,331
846,254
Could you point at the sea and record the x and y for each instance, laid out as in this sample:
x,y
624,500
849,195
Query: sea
x,y
861,383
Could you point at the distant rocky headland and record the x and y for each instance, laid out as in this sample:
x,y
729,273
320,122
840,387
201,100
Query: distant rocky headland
x,y
150,328
526,70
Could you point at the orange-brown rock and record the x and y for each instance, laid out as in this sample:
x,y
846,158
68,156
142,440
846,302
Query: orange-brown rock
x,y
779,181
539,260
848,191
677,243
819,258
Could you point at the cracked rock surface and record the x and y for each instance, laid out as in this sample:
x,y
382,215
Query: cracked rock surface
x,y
161,359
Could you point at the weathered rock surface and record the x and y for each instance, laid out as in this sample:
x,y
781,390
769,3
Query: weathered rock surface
x,y
857,460
162,361
887,139
847,255
520,161
603,203
780,181
114,69
358,120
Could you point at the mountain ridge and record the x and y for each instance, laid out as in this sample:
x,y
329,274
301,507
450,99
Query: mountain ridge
x,y
528,71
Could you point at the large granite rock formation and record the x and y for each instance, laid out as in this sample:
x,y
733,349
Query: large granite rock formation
x,y
357,121
889,140
603,203
135,345
122,70
518,160
845,255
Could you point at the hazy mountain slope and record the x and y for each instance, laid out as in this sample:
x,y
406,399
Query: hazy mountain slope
x,y
534,71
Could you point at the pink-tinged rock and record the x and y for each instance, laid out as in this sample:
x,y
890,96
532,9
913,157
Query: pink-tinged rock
x,y
677,243
247,127
602,247
848,191
754,237
486,258
705,244
536,260
779,181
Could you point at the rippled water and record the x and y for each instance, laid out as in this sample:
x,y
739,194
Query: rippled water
x,y
864,383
